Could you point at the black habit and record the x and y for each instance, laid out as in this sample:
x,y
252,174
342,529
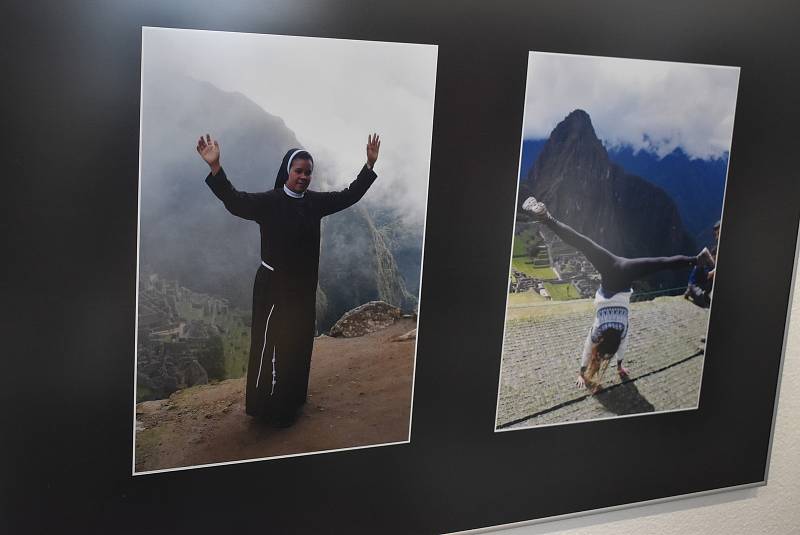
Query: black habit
x,y
284,293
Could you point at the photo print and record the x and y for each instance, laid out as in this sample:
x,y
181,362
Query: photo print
x,y
622,174
283,194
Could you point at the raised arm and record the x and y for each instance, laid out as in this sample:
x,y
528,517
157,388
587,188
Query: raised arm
x,y
335,201
239,203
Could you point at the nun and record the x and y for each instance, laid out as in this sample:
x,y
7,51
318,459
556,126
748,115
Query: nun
x,y
285,289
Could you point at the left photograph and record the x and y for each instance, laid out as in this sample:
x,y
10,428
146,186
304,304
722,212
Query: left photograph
x,y
282,201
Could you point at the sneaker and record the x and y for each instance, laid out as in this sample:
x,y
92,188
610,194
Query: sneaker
x,y
704,258
538,209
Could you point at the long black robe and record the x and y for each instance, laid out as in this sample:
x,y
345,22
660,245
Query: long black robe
x,y
284,297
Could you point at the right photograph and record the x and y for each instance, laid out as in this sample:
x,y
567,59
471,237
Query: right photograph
x,y
619,211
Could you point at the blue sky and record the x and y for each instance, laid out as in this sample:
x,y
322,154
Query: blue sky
x,y
650,105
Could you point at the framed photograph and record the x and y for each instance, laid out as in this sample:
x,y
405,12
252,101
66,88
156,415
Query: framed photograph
x,y
304,267
318,353
622,177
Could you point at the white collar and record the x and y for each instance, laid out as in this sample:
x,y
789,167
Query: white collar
x,y
291,193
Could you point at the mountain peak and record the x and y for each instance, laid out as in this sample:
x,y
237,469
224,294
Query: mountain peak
x,y
577,124
626,214
573,140
579,115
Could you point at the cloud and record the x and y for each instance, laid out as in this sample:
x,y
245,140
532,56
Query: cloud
x,y
650,105
331,92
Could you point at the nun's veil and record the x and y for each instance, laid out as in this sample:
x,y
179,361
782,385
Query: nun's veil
x,y
283,171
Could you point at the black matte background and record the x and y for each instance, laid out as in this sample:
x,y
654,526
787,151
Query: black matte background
x,y
70,109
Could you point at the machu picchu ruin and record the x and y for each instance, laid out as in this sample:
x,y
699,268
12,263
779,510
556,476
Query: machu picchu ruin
x,y
543,264
185,338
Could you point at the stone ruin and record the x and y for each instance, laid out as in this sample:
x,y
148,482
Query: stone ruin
x,y
365,319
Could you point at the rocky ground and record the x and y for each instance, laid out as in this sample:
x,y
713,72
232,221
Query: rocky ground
x,y
359,394
541,357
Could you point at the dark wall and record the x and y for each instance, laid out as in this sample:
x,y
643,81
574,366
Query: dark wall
x,y
71,128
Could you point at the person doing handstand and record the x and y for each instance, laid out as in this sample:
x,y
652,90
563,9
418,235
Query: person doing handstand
x,y
608,336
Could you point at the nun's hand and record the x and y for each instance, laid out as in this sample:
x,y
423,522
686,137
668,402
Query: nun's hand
x,y
373,147
208,149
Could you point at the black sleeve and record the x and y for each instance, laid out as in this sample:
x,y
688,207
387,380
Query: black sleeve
x,y
239,203
334,201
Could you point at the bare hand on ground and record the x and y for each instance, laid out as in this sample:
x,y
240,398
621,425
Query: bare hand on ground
x,y
373,147
623,372
582,382
208,149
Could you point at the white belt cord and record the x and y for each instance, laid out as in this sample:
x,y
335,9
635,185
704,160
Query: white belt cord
x,y
258,378
274,373
261,362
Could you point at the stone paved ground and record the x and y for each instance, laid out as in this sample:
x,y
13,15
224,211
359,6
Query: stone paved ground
x,y
542,351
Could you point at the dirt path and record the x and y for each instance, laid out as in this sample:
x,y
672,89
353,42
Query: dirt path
x,y
359,394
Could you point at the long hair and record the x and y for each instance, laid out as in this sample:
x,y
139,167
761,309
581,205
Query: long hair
x,y
602,352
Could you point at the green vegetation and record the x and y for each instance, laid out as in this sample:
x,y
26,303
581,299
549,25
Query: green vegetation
x,y
526,243
236,343
549,309
212,358
525,298
562,291
525,265
530,257
143,393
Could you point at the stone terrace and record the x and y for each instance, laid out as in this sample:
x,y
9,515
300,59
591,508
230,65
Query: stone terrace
x,y
542,352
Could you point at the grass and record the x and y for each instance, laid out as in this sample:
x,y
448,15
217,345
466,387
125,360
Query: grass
x,y
545,309
562,292
525,265
524,240
525,298
237,350
521,261
143,393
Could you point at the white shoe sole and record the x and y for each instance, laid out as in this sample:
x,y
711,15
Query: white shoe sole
x,y
532,205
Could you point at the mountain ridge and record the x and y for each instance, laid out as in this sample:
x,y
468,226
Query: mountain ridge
x,y
185,232
624,213
696,185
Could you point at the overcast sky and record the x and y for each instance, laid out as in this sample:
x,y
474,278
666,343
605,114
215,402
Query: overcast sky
x,y
332,93
630,101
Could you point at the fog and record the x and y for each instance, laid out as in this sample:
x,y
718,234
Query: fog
x,y
330,93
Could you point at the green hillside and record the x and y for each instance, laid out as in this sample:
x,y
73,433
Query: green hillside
x,y
530,257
